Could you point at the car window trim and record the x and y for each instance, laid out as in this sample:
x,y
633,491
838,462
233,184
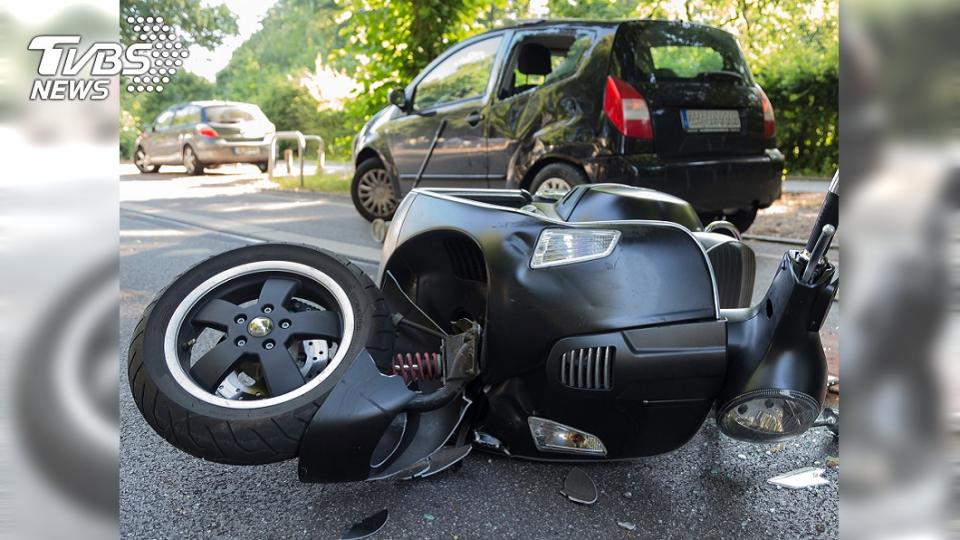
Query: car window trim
x,y
446,56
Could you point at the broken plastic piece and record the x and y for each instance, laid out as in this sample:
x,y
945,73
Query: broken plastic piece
x,y
579,487
627,525
800,478
368,527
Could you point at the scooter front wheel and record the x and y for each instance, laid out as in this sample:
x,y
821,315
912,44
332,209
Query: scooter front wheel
x,y
233,358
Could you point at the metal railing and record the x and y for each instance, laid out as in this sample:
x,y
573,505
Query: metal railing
x,y
301,147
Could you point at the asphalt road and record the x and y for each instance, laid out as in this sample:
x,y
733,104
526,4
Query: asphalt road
x,y
713,487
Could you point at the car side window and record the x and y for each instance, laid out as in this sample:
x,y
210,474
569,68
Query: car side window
x,y
163,121
539,59
187,115
463,75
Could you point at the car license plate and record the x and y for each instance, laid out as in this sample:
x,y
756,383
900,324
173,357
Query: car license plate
x,y
247,150
706,120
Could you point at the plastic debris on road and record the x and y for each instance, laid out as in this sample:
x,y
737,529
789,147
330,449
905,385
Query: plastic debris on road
x,y
579,487
800,478
368,527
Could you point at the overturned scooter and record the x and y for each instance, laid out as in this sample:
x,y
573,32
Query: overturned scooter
x,y
602,324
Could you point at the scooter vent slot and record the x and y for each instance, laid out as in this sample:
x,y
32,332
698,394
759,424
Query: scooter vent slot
x,y
588,368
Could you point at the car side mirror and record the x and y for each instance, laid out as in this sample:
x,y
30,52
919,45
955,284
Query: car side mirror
x,y
398,97
149,128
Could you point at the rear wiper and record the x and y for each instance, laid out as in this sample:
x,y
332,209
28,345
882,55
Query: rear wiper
x,y
721,74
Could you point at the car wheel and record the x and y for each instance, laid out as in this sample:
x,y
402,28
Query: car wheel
x,y
192,162
742,219
233,358
372,191
557,178
263,166
142,162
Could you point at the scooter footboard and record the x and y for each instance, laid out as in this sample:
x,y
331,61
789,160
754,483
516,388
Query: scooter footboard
x,y
364,430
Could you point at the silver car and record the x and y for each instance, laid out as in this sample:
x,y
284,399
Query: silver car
x,y
204,133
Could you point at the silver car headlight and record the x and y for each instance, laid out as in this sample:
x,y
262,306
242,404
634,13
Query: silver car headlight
x,y
567,246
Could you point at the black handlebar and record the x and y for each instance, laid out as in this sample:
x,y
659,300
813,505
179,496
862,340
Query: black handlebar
x,y
829,213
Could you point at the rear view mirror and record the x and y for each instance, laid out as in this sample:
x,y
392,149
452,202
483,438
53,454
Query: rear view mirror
x,y
398,97
149,128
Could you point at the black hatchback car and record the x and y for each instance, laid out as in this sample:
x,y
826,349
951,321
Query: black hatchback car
x,y
546,106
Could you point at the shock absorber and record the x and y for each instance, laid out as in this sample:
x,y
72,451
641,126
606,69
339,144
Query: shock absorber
x,y
417,366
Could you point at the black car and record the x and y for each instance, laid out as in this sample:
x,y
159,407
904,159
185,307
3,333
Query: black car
x,y
546,106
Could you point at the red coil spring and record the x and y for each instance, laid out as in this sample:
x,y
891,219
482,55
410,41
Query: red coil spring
x,y
417,366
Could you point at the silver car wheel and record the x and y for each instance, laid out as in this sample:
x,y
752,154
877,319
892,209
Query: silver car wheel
x,y
189,159
140,159
553,185
376,194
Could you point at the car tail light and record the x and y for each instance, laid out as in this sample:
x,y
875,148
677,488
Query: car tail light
x,y
627,110
207,131
769,121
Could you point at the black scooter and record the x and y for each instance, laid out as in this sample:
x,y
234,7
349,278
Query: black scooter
x,y
603,324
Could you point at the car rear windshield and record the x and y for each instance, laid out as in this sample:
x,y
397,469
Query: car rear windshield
x,y
664,51
233,114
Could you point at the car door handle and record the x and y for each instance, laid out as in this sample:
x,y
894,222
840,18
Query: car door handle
x,y
474,118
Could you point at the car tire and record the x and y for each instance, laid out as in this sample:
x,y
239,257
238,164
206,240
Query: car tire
x,y
203,422
372,191
557,177
141,161
742,219
192,162
263,166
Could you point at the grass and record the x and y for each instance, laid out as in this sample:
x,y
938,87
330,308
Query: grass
x,y
331,182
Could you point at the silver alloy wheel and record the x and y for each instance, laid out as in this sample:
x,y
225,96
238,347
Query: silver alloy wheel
x,y
189,159
375,192
553,185
178,319
140,159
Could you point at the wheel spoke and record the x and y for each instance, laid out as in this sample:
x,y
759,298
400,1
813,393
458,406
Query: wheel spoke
x,y
217,314
277,291
213,366
316,324
280,371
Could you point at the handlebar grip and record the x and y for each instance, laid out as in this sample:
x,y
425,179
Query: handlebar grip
x,y
829,212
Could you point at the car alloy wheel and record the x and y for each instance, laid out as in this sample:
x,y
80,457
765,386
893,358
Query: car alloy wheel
x,y
553,186
140,159
376,194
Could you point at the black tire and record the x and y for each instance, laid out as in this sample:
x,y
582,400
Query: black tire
x,y
558,173
263,166
192,162
372,175
246,436
139,159
742,219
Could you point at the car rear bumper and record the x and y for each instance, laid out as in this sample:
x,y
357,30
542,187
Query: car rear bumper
x,y
728,183
220,151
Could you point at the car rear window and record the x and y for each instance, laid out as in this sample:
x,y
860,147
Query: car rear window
x,y
233,114
664,51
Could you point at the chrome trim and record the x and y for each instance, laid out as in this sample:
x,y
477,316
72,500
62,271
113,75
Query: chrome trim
x,y
723,225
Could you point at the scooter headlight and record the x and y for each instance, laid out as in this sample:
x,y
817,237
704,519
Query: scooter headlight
x,y
768,415
567,246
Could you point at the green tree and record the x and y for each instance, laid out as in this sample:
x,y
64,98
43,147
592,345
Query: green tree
x,y
206,26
